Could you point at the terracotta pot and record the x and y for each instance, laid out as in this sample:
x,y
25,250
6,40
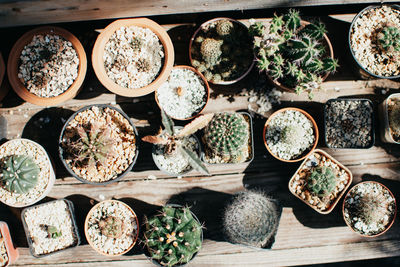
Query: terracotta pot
x,y
394,215
206,85
4,89
93,209
98,52
12,252
194,37
316,134
333,205
14,59
386,133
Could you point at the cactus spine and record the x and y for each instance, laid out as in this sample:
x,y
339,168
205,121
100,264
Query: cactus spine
x,y
111,227
389,39
210,50
322,181
224,27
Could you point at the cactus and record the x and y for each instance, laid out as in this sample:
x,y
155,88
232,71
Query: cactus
x,y
394,118
52,231
291,134
257,29
322,181
330,64
173,236
227,134
224,27
251,219
370,208
389,39
143,65
136,43
292,20
276,24
314,30
304,50
19,174
210,50
111,227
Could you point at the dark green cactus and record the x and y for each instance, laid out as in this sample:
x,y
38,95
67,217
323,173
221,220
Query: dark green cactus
x,y
210,50
292,20
111,227
257,29
322,181
276,24
330,64
304,50
276,72
314,30
173,236
224,27
389,39
291,134
19,174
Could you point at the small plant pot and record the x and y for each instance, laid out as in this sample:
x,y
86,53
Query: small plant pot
x,y
14,60
46,177
206,87
298,182
386,132
33,235
205,25
62,150
8,253
3,90
308,151
119,210
99,48
347,204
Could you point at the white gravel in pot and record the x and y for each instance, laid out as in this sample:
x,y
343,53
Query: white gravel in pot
x,y
3,251
183,95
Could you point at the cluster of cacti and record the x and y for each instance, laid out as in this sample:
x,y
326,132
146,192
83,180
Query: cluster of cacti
x,y
389,39
291,134
251,219
394,118
173,236
19,174
292,54
111,226
227,135
322,181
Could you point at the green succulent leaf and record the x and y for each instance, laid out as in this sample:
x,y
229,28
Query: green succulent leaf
x,y
194,160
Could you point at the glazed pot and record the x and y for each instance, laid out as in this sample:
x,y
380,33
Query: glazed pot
x,y
12,252
306,153
98,52
386,132
14,59
206,86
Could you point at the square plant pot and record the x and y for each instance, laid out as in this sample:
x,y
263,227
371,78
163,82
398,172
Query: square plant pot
x,y
298,184
8,254
386,132
49,231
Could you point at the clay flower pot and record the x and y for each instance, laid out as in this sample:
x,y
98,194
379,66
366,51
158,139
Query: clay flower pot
x,y
14,59
98,53
385,130
11,253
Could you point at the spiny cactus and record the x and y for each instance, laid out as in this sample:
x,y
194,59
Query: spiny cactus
x,y
304,50
111,227
173,236
292,20
322,181
371,208
291,134
389,39
227,134
251,219
314,30
210,50
224,27
19,174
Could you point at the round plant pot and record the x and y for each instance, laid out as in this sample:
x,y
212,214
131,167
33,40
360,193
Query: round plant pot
x,y
93,209
206,86
11,251
212,21
98,53
387,227
364,72
386,133
305,154
3,90
50,183
61,150
14,59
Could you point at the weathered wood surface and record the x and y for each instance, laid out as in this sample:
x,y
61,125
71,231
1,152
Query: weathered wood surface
x,y
304,236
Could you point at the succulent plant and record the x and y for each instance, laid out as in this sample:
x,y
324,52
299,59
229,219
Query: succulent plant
x,y
52,231
136,43
291,134
304,50
210,50
143,65
322,181
371,208
389,39
251,219
314,30
173,236
292,20
224,27
394,118
111,226
19,174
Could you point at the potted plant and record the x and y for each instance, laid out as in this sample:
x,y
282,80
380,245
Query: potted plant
x,y
320,181
374,40
390,112
91,141
290,134
349,123
173,236
369,209
50,227
221,49
251,219
8,254
184,95
176,151
228,138
296,55
47,66
26,173
133,57
111,228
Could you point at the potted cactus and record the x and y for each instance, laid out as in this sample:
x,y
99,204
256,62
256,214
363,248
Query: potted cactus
x,y
8,254
296,55
174,236
177,151
251,219
228,138
221,50
390,112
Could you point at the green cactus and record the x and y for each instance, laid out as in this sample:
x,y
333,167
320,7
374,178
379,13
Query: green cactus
x,y
371,208
291,134
210,50
276,72
52,231
389,39
136,43
315,66
304,50
173,236
314,30
276,24
330,64
257,29
111,227
292,20
143,65
251,219
322,181
19,174
224,27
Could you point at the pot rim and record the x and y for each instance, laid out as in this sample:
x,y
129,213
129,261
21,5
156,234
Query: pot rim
x,y
385,125
11,250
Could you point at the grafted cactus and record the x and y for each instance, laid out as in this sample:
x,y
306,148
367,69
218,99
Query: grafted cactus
x,y
111,227
322,181
389,39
